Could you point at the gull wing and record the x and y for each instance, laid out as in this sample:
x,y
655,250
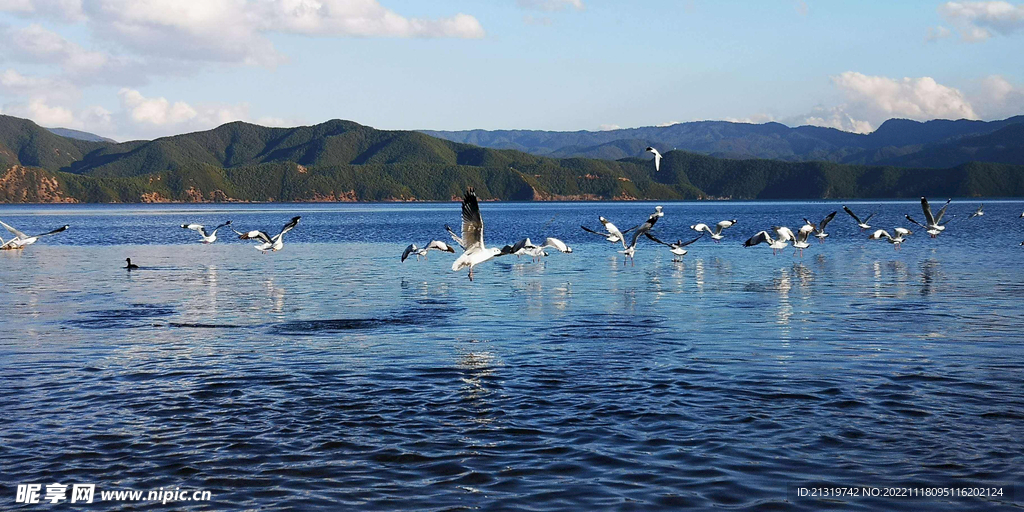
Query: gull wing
x,y
942,211
588,230
457,238
927,209
54,232
287,227
440,246
854,215
688,242
824,222
13,231
655,240
408,250
759,238
472,223
914,221
228,223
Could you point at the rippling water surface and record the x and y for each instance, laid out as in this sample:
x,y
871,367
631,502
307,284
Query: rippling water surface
x,y
331,376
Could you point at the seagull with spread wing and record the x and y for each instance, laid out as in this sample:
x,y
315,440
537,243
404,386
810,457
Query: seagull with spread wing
x,y
819,228
434,245
675,248
862,224
657,157
21,240
270,243
716,235
208,238
472,239
612,233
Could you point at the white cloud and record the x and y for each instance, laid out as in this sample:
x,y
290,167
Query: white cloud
x,y
44,114
975,21
753,119
936,33
154,111
60,10
538,20
551,5
879,97
607,127
997,98
834,117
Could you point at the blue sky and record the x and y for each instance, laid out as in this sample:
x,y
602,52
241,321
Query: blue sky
x,y
146,68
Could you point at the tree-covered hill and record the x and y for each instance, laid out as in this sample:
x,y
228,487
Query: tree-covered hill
x,y
345,161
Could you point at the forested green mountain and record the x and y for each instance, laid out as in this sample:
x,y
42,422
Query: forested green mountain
x,y
893,139
346,161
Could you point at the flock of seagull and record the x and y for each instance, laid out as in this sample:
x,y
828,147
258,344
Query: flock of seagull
x,y
475,252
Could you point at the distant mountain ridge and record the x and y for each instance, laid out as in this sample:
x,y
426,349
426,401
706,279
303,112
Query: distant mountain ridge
x,y
894,138
345,161
78,134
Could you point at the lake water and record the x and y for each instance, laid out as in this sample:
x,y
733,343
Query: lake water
x,y
331,376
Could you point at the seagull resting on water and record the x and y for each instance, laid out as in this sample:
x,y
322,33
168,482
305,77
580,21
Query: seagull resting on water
x,y
436,245
862,224
472,239
716,235
676,248
657,157
819,229
208,238
901,236
270,243
20,239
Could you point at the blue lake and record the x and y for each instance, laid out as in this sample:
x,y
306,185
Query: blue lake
x,y
330,376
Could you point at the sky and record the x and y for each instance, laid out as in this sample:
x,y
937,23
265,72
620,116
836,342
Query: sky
x,y
139,69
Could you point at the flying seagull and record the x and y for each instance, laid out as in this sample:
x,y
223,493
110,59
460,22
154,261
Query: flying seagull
x,y
435,245
800,240
676,248
901,236
931,222
270,243
657,157
130,266
611,234
643,229
819,228
472,239
862,224
764,237
525,246
979,213
208,238
716,235
20,239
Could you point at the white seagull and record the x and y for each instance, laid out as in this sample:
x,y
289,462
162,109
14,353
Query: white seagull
x,y
931,222
208,238
657,157
270,243
435,245
472,239
643,229
525,246
862,224
612,233
901,236
979,213
819,229
676,248
21,240
716,235
763,237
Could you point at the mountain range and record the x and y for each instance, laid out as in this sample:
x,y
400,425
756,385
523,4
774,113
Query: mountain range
x,y
346,161
900,142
